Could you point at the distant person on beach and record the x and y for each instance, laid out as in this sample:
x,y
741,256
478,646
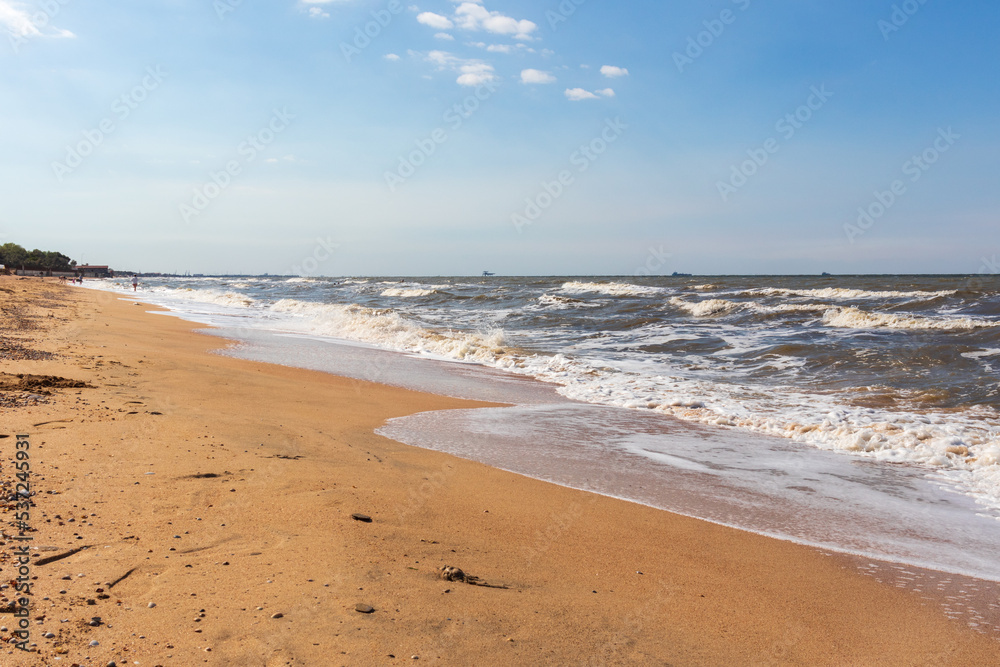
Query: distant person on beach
x,y
135,283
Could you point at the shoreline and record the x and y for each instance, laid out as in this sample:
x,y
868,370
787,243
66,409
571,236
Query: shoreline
x,y
299,449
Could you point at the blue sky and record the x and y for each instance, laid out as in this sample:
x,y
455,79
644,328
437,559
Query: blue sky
x,y
359,137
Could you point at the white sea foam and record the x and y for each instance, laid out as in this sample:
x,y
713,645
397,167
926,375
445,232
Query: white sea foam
x,y
855,318
556,302
387,328
406,293
706,308
206,296
848,317
718,307
834,293
610,289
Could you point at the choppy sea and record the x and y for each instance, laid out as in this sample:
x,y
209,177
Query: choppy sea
x,y
854,413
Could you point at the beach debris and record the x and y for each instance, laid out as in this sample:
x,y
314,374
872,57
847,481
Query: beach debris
x,y
121,578
361,517
65,554
364,608
95,621
449,573
277,615
151,605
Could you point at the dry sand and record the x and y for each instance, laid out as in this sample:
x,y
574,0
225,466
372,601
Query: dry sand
x,y
224,489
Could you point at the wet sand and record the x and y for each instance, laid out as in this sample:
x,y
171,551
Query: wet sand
x,y
223,491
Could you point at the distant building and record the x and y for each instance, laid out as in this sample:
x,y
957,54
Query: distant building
x,y
94,271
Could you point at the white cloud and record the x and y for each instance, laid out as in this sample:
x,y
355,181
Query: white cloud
x,y
476,74
391,56
471,72
445,36
473,16
607,92
317,13
577,94
499,48
18,22
435,21
536,76
612,72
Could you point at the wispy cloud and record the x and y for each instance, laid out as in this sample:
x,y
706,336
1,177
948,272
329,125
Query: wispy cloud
x,y
19,23
471,72
579,94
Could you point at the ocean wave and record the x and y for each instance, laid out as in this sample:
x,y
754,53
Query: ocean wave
x,y
834,293
855,318
406,293
387,328
965,447
610,289
719,307
557,302
207,296
706,308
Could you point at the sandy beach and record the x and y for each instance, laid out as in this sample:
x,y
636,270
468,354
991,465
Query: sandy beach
x,y
208,501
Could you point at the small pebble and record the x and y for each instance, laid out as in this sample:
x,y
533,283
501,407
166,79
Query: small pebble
x,y
364,608
49,635
278,615
151,605
362,517
94,642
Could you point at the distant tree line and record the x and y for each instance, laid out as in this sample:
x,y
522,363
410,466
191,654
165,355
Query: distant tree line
x,y
14,256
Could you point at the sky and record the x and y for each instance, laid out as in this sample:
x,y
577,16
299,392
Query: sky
x,y
572,137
